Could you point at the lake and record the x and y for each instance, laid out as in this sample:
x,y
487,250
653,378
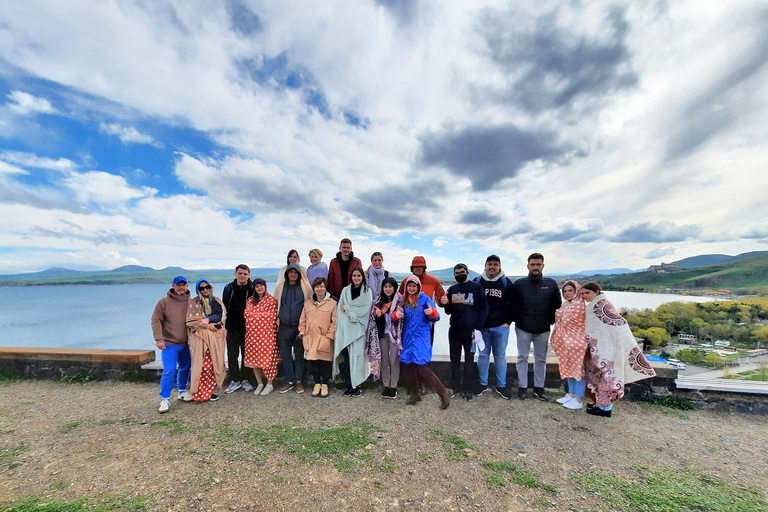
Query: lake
x,y
118,316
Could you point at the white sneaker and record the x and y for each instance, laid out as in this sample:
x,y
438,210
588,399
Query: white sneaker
x,y
233,386
185,396
267,389
165,404
258,389
565,399
573,404
247,386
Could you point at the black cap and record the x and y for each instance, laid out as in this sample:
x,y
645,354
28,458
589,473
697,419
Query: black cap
x,y
493,257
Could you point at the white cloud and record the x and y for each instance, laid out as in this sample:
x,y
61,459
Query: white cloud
x,y
128,134
105,189
25,104
37,162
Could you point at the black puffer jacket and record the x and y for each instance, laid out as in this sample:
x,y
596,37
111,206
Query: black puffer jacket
x,y
538,301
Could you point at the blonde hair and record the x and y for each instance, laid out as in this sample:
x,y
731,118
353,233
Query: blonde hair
x,y
318,252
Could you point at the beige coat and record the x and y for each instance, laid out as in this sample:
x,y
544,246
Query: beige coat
x,y
202,339
317,327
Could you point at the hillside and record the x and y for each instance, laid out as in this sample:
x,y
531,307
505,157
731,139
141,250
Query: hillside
x,y
706,260
748,275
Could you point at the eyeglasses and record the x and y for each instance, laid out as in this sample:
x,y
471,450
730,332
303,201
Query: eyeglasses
x,y
206,287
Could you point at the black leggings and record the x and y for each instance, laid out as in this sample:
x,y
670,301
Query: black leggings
x,y
321,370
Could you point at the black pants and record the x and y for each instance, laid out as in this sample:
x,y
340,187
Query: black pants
x,y
321,370
344,368
291,352
236,354
461,339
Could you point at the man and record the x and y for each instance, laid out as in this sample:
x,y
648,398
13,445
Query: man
x,y
169,328
235,297
340,271
539,299
468,309
290,295
430,285
501,296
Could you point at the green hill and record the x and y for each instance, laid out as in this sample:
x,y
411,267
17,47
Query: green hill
x,y
741,276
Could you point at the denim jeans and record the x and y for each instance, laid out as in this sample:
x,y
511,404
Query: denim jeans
x,y
524,340
577,387
172,356
495,338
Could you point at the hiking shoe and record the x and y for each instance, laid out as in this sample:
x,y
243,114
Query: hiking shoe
x,y
316,391
481,389
349,392
522,393
539,393
393,393
504,393
299,388
233,386
323,390
286,388
215,398
267,390
596,411
468,396
385,393
566,398
413,400
258,389
165,404
445,400
356,392
573,404
184,396
247,386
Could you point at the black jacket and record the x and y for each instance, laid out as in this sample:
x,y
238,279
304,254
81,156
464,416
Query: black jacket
x,y
538,301
502,296
235,298
472,311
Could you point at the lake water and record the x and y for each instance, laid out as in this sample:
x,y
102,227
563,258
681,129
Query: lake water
x,y
118,316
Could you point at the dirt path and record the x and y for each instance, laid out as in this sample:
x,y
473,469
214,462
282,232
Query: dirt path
x,y
263,453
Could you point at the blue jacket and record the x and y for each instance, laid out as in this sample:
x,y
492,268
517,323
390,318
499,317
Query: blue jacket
x,y
417,347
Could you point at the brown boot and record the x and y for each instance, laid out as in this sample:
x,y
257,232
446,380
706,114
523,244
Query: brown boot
x,y
445,400
316,391
413,399
324,391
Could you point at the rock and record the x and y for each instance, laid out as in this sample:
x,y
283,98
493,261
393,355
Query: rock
x,y
761,410
260,464
517,446
722,406
15,464
742,408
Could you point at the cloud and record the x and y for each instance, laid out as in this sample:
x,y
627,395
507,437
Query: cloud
x,y
487,155
103,188
481,216
25,104
570,233
6,168
727,97
554,63
250,184
128,134
404,11
398,207
74,231
243,20
439,242
661,232
37,162
661,251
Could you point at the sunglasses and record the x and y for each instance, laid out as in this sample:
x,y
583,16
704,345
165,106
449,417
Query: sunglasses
x,y
206,287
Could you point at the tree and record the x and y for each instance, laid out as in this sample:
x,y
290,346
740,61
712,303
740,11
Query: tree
x,y
713,359
655,336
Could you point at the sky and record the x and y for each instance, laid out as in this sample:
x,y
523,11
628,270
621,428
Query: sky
x,y
206,134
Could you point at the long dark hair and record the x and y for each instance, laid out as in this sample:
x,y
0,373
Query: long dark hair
x,y
593,286
363,283
383,299
288,258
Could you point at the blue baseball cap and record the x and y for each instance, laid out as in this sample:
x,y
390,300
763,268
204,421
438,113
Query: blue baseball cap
x,y
179,279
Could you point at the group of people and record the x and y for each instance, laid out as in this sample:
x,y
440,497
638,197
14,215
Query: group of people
x,y
341,320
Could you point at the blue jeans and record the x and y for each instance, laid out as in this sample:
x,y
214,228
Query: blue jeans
x,y
172,356
524,340
577,387
495,338
291,352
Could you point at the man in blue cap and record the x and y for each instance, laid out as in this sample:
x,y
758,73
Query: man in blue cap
x,y
169,328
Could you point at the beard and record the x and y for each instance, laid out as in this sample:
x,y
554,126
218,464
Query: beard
x,y
535,275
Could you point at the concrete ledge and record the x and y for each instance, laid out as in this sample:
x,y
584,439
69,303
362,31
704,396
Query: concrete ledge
x,y
100,355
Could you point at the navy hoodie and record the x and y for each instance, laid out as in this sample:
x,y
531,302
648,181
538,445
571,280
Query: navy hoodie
x,y
502,297
472,311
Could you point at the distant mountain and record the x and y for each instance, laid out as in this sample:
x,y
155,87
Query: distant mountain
x,y
599,272
706,260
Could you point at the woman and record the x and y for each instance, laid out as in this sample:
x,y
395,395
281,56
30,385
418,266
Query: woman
x,y
376,274
261,352
293,257
206,316
317,328
318,268
569,341
351,323
384,340
418,313
613,357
